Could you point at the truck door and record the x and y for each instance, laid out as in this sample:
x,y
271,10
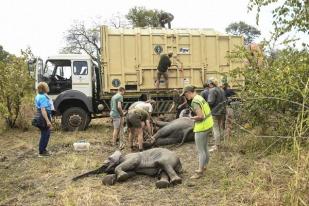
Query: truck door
x,y
81,79
35,68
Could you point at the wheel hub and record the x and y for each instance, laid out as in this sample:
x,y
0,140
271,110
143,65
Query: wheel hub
x,y
75,120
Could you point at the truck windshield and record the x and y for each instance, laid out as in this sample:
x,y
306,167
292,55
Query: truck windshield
x,y
58,75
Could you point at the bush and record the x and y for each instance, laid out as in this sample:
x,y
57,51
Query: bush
x,y
15,84
276,92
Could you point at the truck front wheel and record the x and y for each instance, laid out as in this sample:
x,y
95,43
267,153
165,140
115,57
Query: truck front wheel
x,y
74,118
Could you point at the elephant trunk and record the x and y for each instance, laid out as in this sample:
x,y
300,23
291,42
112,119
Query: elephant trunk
x,y
93,172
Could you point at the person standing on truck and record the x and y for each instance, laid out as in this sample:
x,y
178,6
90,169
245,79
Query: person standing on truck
x,y
217,101
203,123
166,18
117,113
136,121
164,63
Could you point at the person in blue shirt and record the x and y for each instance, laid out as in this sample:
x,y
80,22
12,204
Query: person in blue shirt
x,y
44,105
205,92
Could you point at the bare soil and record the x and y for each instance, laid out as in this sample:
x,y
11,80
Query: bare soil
x,y
244,172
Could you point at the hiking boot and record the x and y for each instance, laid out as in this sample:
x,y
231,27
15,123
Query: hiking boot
x,y
44,154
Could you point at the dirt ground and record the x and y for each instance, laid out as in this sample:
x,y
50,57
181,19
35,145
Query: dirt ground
x,y
240,174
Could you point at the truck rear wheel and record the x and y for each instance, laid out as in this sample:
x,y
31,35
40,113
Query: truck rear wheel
x,y
74,118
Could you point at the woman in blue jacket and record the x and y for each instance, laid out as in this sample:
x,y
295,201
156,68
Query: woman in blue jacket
x,y
44,105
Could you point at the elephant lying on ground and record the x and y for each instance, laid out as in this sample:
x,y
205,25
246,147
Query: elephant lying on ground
x,y
177,131
159,162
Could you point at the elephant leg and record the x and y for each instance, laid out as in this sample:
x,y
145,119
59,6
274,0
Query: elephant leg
x,y
162,133
174,178
161,124
166,141
163,181
185,135
109,179
112,179
127,165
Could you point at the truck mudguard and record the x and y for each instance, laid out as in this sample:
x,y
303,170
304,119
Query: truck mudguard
x,y
73,95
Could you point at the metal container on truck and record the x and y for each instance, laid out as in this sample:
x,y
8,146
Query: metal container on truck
x,y
130,57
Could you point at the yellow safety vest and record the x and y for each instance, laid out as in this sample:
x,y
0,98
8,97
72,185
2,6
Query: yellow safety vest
x,y
207,123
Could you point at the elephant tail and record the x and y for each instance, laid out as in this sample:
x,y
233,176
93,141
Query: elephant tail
x,y
93,172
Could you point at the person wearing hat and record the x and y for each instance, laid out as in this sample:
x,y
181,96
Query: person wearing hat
x,y
164,63
217,100
203,123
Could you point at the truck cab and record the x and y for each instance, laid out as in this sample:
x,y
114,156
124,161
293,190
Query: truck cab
x,y
74,82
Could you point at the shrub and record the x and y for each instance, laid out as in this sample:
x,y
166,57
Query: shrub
x,y
14,85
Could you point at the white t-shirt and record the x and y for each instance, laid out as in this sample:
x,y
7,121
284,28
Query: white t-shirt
x,y
142,105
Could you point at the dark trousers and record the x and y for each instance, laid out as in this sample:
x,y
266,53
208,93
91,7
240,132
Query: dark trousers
x,y
45,134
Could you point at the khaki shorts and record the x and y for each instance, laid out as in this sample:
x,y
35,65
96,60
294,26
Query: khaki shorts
x,y
134,121
116,122
159,74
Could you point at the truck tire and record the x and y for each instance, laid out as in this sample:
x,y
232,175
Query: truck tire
x,y
74,118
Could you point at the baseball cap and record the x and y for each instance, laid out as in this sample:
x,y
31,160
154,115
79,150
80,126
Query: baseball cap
x,y
187,88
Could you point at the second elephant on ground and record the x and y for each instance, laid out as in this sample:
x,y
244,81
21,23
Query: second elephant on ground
x,y
177,131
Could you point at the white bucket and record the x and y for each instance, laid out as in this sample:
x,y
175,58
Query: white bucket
x,y
81,146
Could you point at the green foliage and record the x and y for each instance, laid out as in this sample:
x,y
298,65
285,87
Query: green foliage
x,y
289,15
14,84
142,17
241,28
3,54
276,92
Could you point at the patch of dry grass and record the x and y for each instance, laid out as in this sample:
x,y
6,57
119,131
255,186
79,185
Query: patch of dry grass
x,y
245,172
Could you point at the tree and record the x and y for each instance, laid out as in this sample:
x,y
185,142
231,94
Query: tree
x,y
142,17
241,28
14,84
289,15
117,21
80,38
3,54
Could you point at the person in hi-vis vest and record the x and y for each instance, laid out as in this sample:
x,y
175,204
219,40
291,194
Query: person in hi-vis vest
x,y
203,123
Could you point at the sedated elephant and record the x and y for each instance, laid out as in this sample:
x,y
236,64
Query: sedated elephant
x,y
177,131
159,162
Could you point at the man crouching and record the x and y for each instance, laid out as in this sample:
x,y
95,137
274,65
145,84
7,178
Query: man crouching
x,y
136,121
